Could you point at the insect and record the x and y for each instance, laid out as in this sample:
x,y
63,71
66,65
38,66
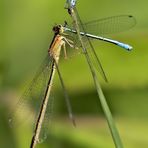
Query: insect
x,y
82,30
41,85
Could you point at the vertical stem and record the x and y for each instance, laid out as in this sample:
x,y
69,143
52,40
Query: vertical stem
x,y
35,138
107,112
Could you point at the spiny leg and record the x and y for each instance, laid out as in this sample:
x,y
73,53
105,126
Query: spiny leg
x,y
64,48
69,42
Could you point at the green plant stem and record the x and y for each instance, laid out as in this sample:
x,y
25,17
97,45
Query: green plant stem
x,y
107,112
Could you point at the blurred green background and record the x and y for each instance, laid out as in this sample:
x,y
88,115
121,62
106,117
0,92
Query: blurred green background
x,y
25,34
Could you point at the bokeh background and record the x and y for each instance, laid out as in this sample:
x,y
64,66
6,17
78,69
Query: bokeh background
x,y
25,35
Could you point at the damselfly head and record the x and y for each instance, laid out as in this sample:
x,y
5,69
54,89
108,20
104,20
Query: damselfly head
x,y
58,29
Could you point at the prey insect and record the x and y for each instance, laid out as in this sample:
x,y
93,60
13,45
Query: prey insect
x,y
43,82
54,51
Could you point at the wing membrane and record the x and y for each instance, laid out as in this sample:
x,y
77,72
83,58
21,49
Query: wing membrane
x,y
29,103
92,53
110,25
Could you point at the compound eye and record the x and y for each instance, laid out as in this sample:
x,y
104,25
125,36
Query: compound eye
x,y
59,26
54,28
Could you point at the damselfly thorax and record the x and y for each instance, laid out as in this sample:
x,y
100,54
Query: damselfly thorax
x,y
58,43
55,49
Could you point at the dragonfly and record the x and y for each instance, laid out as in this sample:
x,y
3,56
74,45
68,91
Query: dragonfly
x,y
41,86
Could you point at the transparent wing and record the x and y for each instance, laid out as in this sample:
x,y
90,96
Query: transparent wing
x,y
99,27
29,103
103,26
91,52
46,126
110,25
73,37
67,99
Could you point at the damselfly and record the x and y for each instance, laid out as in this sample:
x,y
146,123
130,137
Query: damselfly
x,y
40,87
80,29
91,30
